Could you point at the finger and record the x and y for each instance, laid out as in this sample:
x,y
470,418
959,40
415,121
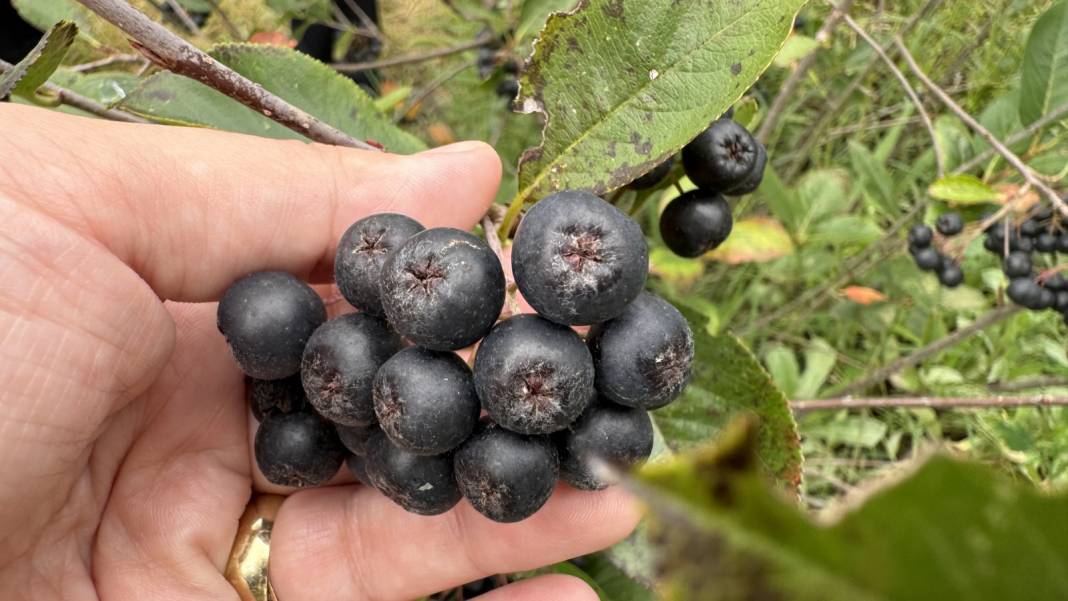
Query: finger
x,y
557,587
193,209
349,542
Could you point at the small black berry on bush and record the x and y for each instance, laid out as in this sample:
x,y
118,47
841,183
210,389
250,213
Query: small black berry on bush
x,y
1061,303
695,223
577,259
1057,282
361,253
1017,265
443,289
949,224
654,176
1046,243
620,436
267,317
297,449
950,275
355,437
425,400
920,236
720,157
357,465
422,484
533,376
1030,228
1021,243
506,476
1046,300
642,358
508,88
1024,292
928,259
339,366
267,396
1062,243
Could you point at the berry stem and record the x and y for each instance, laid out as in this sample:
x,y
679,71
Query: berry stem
x,y
1052,271
489,227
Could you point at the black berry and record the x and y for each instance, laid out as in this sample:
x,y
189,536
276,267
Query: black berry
x,y
355,437
267,318
357,465
755,177
1046,300
1021,243
508,88
1017,265
577,259
695,223
920,236
928,259
340,364
1061,303
653,177
1024,292
425,400
1062,243
285,395
297,449
720,157
1030,228
643,357
1046,243
422,484
506,476
620,436
950,275
533,376
443,289
362,252
1057,282
949,224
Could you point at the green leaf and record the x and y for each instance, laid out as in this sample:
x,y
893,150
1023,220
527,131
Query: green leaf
x,y
30,73
613,583
874,177
292,75
728,380
963,189
1044,73
820,359
796,48
782,200
949,530
534,13
623,84
754,240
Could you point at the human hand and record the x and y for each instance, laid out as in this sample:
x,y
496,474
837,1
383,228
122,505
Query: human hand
x,y
125,458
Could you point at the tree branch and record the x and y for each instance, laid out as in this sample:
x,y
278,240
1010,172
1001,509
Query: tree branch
x,y
1053,116
1042,382
411,58
1025,171
78,101
794,80
175,54
940,164
920,355
931,402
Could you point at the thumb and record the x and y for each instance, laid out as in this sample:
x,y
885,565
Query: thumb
x,y
190,210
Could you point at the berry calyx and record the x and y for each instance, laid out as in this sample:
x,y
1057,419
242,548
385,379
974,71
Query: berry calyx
x,y
361,253
721,157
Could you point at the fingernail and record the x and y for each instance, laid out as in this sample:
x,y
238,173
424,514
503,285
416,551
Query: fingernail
x,y
457,148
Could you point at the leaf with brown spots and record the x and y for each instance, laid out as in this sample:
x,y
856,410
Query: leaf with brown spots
x,y
623,84
944,529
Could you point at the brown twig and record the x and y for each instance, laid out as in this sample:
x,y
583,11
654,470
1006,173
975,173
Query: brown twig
x,y
107,61
78,101
490,222
410,58
931,402
920,355
983,132
940,164
175,54
794,80
1054,115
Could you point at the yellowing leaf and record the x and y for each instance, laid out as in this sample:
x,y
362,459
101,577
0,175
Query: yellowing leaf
x,y
754,240
862,295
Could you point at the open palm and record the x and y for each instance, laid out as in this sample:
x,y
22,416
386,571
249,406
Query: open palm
x,y
124,439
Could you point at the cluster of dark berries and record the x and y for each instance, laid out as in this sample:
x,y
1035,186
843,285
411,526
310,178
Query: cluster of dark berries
x,y
490,60
1028,249
383,389
926,254
724,160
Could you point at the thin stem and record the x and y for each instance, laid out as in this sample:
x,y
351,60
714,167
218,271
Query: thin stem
x,y
78,101
793,82
931,402
940,164
490,222
365,19
983,132
411,58
187,21
175,54
920,355
107,61
432,87
1054,115
1043,382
